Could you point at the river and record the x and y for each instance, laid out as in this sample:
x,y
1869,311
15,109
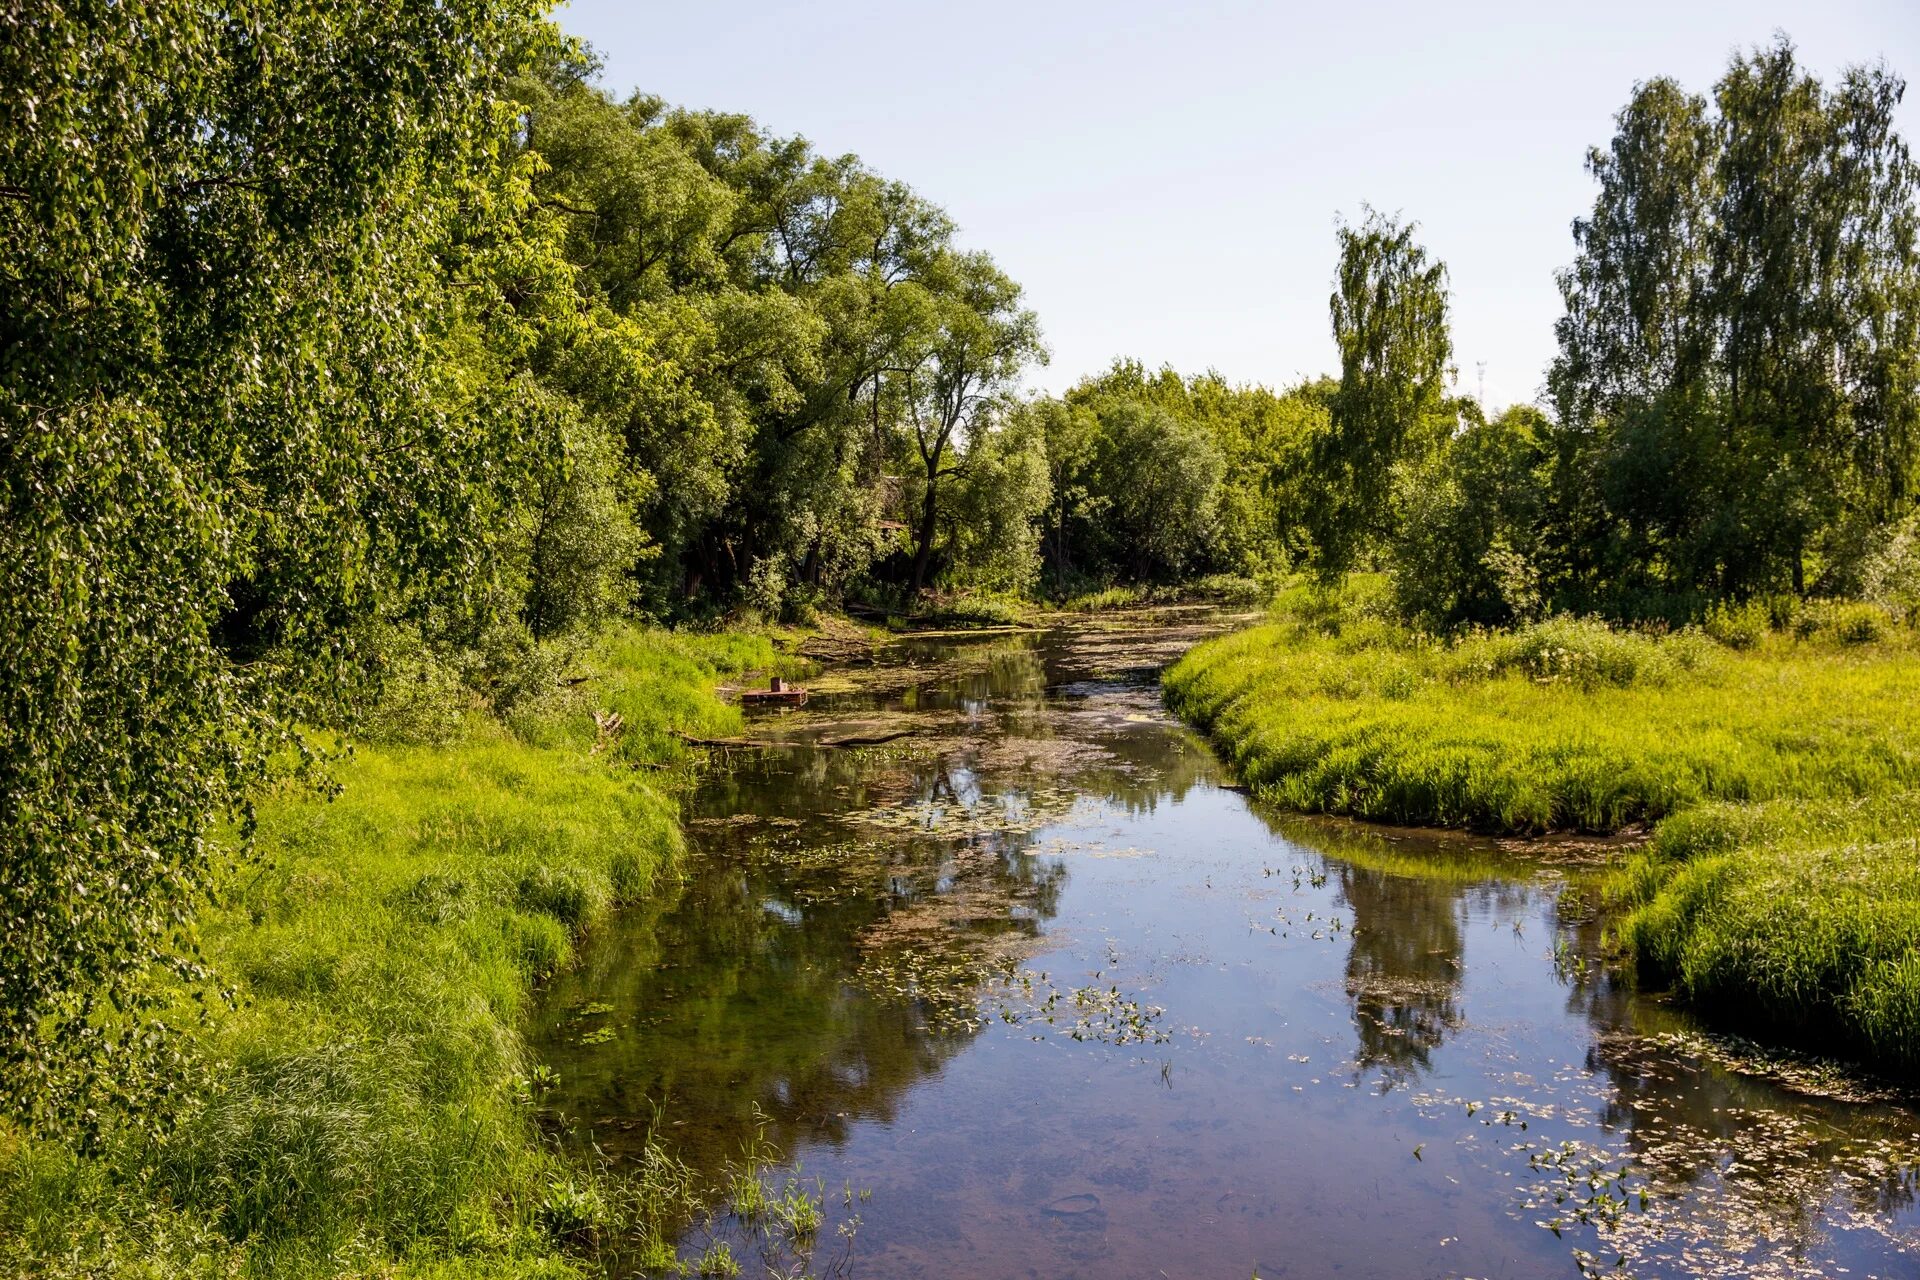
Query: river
x,y
1036,992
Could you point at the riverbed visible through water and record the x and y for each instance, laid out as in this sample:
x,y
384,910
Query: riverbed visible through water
x,y
1035,991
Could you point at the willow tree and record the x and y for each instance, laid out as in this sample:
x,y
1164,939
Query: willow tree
x,y
1389,313
971,342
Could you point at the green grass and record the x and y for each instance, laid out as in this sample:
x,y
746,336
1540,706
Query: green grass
x,y
1564,727
368,1101
963,612
1801,918
1216,588
1805,925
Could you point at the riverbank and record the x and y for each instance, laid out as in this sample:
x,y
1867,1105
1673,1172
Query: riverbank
x,y
1786,893
367,1102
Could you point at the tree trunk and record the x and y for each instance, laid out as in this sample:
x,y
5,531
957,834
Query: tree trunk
x,y
923,550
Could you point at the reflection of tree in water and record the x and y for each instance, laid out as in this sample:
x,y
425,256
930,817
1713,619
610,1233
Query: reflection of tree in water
x,y
1403,968
739,992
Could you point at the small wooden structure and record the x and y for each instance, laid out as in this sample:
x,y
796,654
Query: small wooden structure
x,y
778,693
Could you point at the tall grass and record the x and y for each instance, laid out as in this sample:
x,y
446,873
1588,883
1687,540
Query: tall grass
x,y
1567,725
1782,885
368,1100
1214,588
1804,918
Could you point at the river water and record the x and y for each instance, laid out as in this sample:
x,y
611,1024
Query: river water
x,y
1036,992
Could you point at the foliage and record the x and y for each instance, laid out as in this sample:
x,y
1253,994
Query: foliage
x,y
227,435
793,350
1469,544
1390,410
1161,479
1737,374
993,523
1157,478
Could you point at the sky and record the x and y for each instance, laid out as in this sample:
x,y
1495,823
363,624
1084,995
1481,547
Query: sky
x,y
1166,179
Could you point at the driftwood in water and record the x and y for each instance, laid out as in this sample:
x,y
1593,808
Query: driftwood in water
x,y
852,741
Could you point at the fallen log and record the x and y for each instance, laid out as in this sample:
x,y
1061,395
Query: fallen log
x,y
856,740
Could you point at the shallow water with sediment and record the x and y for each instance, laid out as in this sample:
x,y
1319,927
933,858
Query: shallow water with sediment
x,y
1035,991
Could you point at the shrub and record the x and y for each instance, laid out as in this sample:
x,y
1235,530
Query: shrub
x,y
1104,600
1891,577
1738,626
1847,622
1223,588
1579,651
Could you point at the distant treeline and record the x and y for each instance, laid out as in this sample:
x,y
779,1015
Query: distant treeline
x,y
338,334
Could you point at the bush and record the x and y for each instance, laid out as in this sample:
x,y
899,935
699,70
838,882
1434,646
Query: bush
x,y
1891,577
1579,651
1846,622
1738,626
1105,600
1223,588
971,610
364,1103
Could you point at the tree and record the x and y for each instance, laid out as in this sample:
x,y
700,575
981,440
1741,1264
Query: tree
x,y
1736,377
974,341
1389,310
1068,432
1468,550
1160,480
229,436
996,515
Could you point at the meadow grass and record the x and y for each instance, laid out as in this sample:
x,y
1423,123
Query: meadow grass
x,y
1806,927
1804,918
368,1099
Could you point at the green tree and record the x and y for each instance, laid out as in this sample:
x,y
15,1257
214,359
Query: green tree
x,y
1389,310
974,341
1736,378
1159,478
1000,504
1468,549
235,246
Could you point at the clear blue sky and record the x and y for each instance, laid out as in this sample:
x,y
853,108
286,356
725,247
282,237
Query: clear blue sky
x,y
1164,178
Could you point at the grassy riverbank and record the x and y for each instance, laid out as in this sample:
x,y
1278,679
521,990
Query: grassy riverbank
x,y
1786,893
367,1108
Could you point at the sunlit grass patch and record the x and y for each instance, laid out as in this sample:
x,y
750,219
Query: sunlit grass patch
x,y
368,1104
1564,726
1802,918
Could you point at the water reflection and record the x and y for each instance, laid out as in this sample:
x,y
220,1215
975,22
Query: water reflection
x,y
935,968
1403,969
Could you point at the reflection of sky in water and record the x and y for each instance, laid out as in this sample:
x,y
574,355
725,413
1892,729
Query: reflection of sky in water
x,y
1307,1049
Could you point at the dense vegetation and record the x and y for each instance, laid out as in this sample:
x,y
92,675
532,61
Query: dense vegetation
x,y
368,375
1565,725
367,1095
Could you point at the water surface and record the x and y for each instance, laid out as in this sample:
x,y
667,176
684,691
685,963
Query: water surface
x,y
1064,1003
